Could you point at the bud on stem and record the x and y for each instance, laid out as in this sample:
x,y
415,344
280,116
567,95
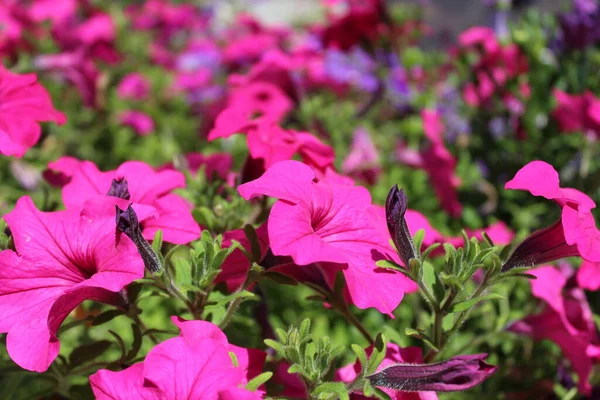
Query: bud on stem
x,y
395,209
127,223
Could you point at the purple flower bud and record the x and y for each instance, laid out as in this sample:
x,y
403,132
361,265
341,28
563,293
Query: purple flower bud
x,y
396,205
456,374
542,246
119,188
127,223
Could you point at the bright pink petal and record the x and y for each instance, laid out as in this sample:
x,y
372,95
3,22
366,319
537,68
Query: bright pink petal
x,y
588,275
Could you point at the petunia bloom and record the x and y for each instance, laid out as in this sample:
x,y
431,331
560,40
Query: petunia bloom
x,y
151,194
363,160
196,364
62,259
133,86
575,233
323,222
24,103
567,320
578,113
139,121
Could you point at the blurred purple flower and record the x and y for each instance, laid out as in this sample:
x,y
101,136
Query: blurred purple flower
x,y
580,27
133,86
355,68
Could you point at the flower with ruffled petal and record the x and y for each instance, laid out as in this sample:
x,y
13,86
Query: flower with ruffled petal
x,y
151,194
62,259
567,321
323,222
24,103
194,365
575,234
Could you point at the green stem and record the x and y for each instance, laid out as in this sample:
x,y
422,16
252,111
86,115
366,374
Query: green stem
x,y
136,318
356,322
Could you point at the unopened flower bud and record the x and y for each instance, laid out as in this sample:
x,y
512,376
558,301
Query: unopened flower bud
x,y
127,223
119,188
395,209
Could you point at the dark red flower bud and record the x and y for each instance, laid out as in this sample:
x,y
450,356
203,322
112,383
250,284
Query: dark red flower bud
x,y
456,374
119,188
127,223
395,209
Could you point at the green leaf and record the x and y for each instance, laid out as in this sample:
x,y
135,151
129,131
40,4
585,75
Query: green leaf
x,y
377,355
368,390
106,316
381,394
429,250
389,265
88,352
418,239
362,358
304,328
259,380
157,242
234,359
487,239
244,294
432,281
467,304
337,388
121,344
278,347
250,233
280,278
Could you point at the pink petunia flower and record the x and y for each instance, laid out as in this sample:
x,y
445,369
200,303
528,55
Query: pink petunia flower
x,y
363,160
139,121
194,365
217,164
567,320
133,86
148,190
62,259
574,234
578,113
322,222
60,172
24,103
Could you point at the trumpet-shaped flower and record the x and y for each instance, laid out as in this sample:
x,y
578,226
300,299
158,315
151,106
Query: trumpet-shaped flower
x,y
150,192
323,222
62,259
575,234
24,103
196,364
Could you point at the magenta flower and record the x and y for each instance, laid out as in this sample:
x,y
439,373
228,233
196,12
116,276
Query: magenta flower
x,y
139,121
218,164
567,320
194,365
60,172
588,275
329,223
24,103
62,259
578,113
438,162
363,160
574,234
134,86
150,192
235,267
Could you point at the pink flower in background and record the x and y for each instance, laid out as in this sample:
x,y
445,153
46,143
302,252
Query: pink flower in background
x,y
363,160
194,365
588,275
56,11
329,223
75,67
578,113
134,86
24,103
60,172
567,321
148,190
438,162
394,355
217,164
139,121
575,233
235,267
62,259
